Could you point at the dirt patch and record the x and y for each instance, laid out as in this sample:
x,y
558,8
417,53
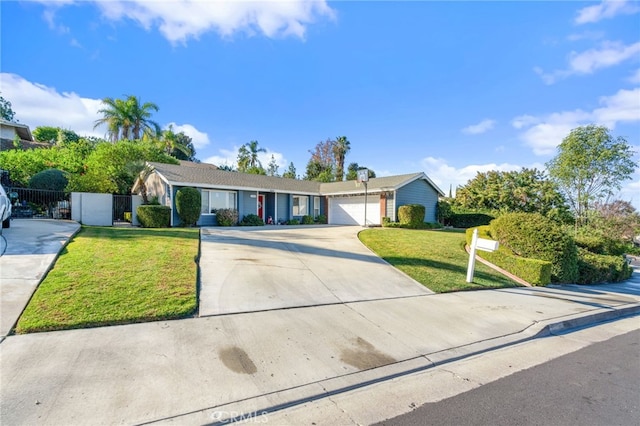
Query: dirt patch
x,y
365,356
237,360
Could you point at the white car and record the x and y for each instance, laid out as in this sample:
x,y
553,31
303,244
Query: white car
x,y
5,208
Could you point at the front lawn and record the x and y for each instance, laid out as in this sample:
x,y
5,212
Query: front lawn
x,y
436,259
108,276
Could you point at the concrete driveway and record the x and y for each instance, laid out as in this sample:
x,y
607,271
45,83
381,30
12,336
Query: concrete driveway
x,y
257,269
28,250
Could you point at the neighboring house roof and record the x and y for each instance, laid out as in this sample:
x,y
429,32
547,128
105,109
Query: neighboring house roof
x,y
208,175
22,130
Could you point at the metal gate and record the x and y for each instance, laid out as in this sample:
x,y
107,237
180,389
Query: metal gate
x,y
121,209
30,203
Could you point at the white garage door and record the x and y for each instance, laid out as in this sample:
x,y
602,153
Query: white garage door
x,y
350,210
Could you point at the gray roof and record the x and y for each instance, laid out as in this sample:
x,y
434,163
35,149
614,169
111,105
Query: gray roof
x,y
22,130
208,175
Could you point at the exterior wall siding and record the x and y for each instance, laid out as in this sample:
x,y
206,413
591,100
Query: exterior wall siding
x,y
247,204
283,208
419,192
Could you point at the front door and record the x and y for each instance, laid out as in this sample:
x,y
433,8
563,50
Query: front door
x,y
261,206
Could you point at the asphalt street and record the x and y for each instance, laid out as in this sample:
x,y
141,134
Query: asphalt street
x,y
597,385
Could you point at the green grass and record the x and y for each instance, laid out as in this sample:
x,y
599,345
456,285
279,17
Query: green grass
x,y
108,276
436,259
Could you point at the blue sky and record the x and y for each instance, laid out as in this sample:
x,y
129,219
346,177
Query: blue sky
x,y
448,88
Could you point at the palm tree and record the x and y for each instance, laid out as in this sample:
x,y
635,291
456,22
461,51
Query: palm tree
x,y
340,149
253,154
140,116
127,119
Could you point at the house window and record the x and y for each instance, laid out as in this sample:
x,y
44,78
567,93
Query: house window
x,y
316,206
300,203
212,201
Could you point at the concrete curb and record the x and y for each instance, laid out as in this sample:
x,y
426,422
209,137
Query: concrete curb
x,y
255,407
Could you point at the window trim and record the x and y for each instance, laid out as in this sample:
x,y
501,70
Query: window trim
x,y
213,190
294,206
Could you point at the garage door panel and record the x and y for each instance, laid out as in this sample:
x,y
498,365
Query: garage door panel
x,y
350,210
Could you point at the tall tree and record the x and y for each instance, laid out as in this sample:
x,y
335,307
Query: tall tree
x,y
291,172
248,161
322,164
272,167
6,112
127,118
341,147
177,145
590,165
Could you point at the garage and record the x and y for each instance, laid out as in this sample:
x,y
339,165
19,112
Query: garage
x,y
350,210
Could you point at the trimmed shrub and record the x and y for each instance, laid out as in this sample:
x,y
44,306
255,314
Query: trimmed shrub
x,y
50,179
307,220
252,220
534,271
597,268
293,222
227,217
470,220
600,244
421,225
411,214
321,219
153,216
535,236
188,204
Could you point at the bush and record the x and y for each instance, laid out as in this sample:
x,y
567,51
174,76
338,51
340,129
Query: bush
x,y
597,268
422,225
533,271
127,217
444,212
293,222
252,220
307,220
321,219
227,217
535,236
470,220
188,204
411,214
50,179
153,216
600,244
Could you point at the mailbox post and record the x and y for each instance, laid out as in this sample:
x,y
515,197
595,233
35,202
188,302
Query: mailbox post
x,y
478,244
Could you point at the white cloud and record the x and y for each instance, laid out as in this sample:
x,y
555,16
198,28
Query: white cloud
x,y
607,54
445,175
606,9
180,20
543,134
198,138
38,105
483,126
586,35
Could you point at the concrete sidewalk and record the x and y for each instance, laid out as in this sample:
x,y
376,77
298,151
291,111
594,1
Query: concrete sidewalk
x,y
189,371
28,249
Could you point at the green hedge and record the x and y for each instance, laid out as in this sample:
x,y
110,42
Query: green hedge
x,y
307,220
411,214
188,205
535,236
470,220
598,268
152,216
533,271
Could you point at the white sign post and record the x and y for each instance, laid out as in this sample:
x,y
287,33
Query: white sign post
x,y
478,244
